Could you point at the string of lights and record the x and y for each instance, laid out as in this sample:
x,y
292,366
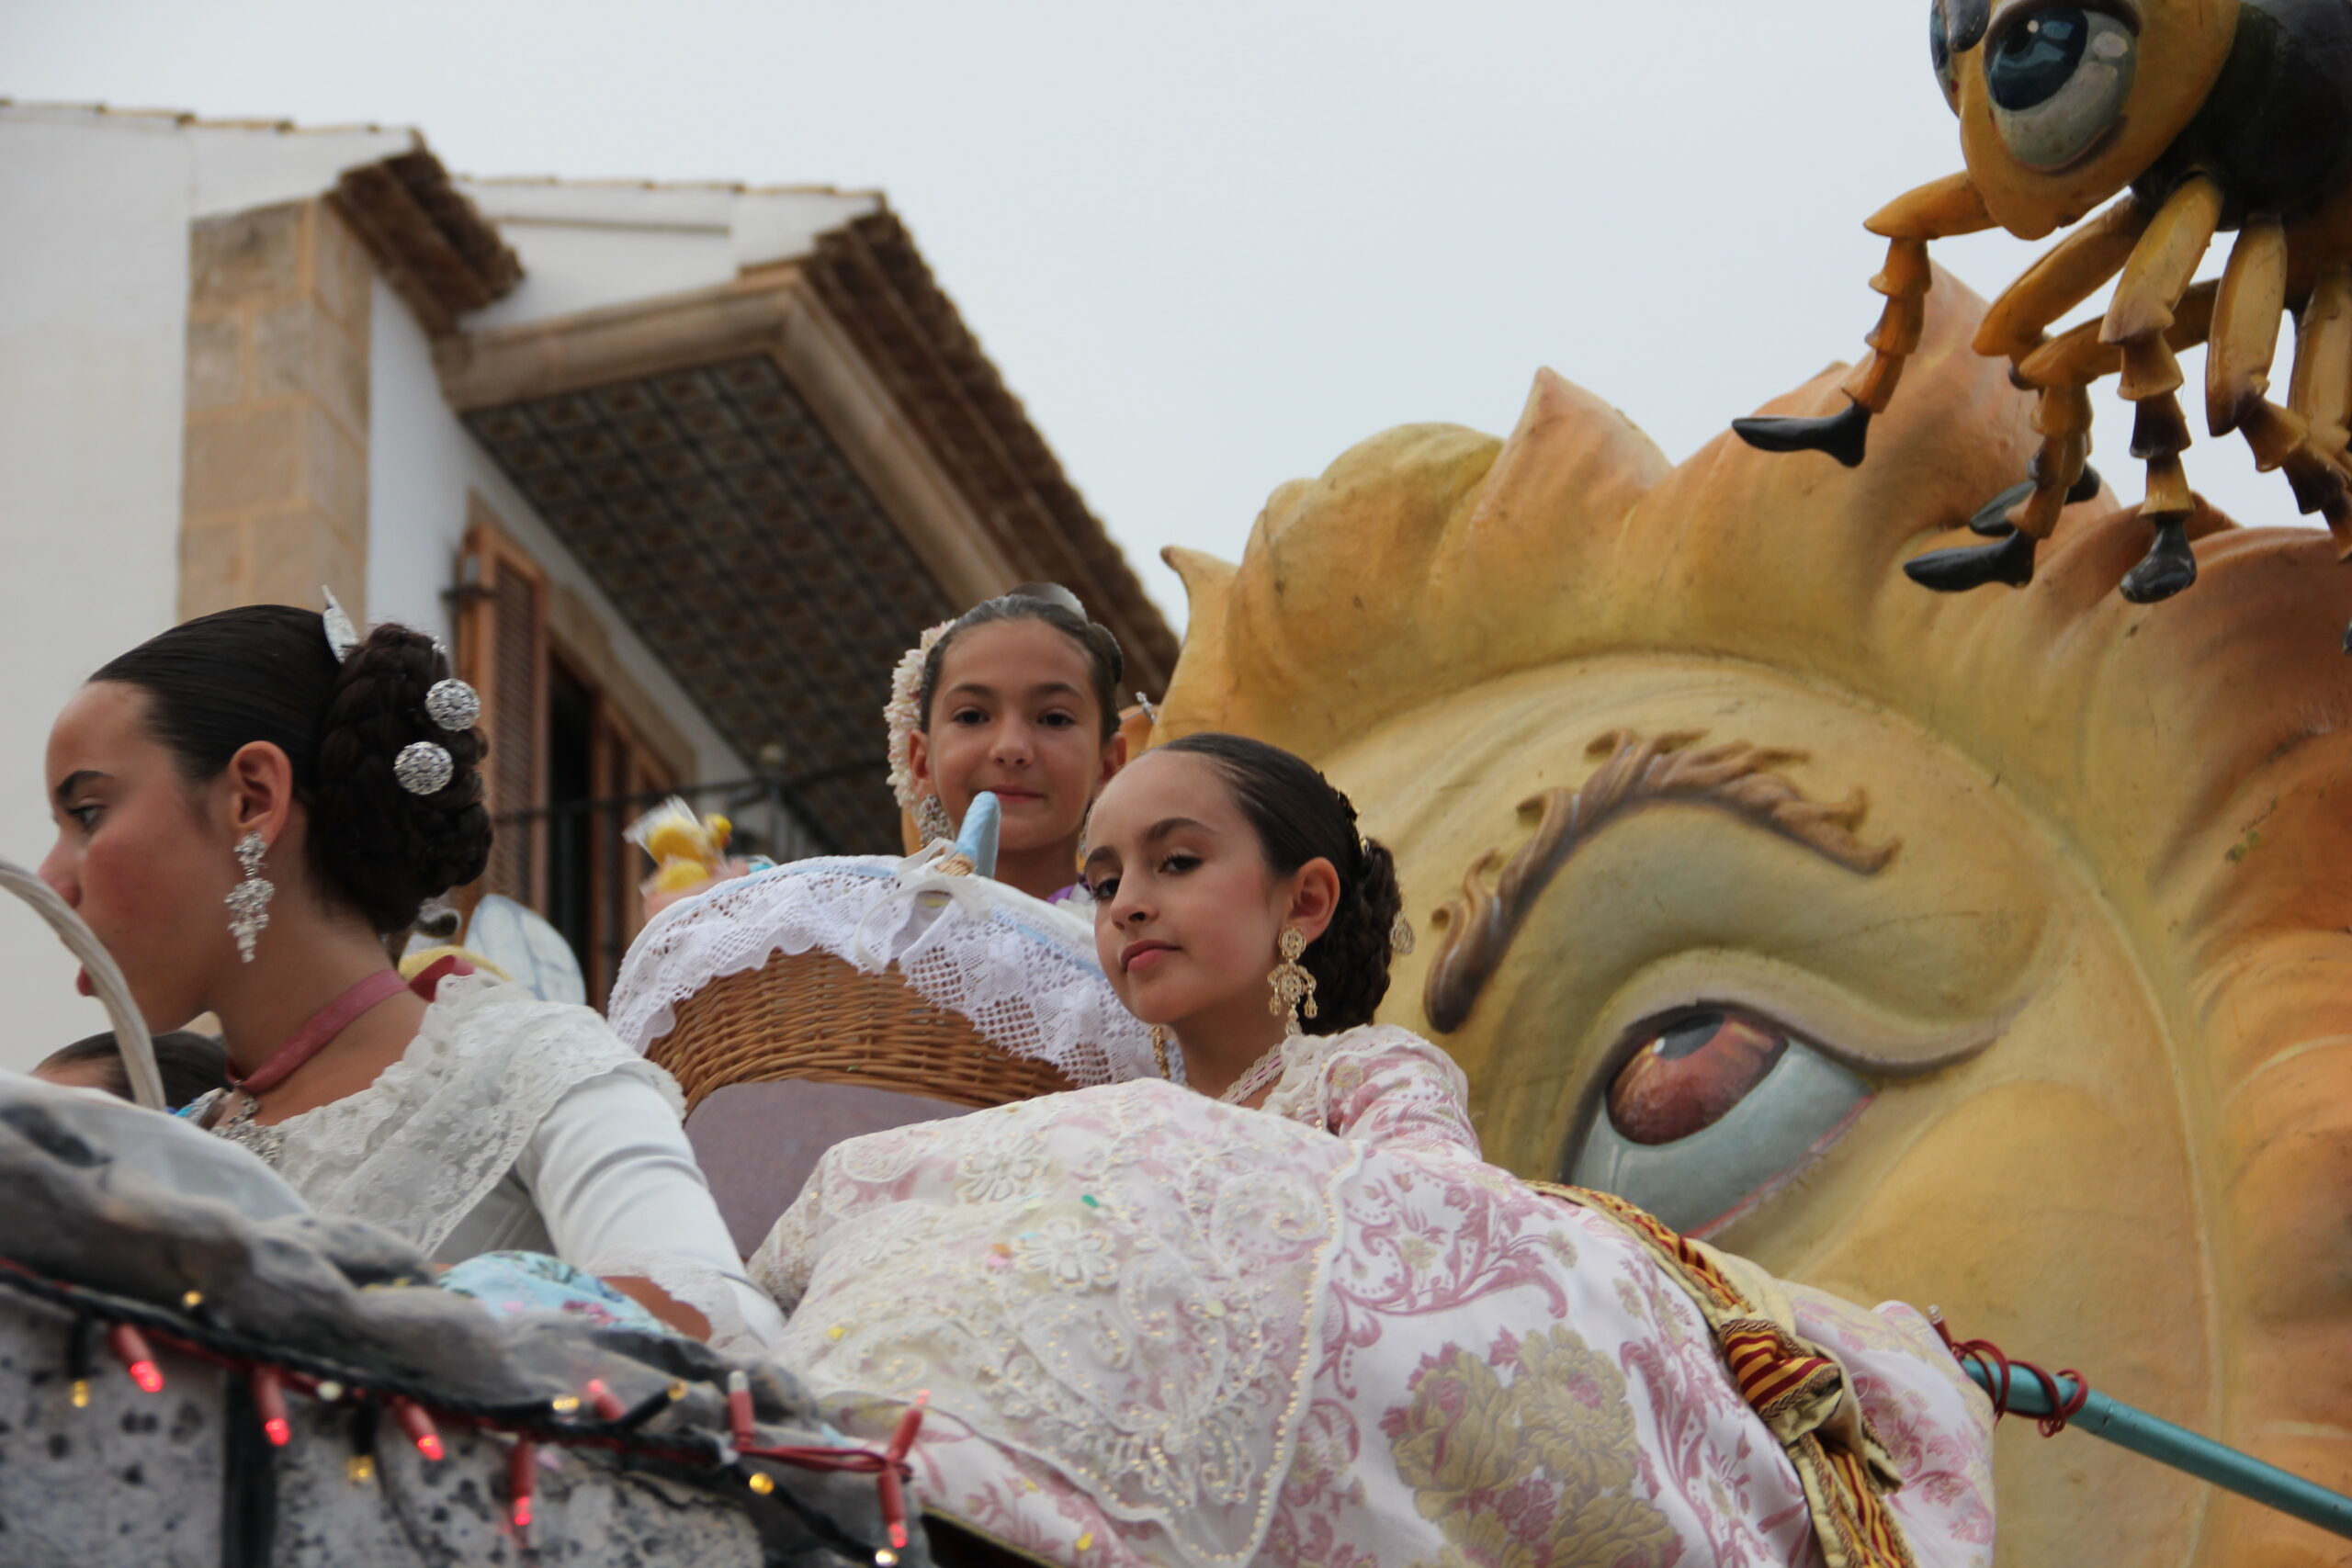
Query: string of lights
x,y
594,1418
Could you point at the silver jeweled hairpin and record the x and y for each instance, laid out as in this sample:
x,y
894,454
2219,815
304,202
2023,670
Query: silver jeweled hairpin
x,y
453,706
423,767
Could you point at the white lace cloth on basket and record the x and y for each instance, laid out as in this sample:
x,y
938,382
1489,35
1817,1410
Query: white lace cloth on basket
x,y
512,1122
1021,970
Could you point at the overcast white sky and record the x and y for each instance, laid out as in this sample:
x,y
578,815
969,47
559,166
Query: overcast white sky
x,y
1210,245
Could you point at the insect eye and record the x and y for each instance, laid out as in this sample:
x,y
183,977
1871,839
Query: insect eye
x,y
1715,1108
1939,52
2058,79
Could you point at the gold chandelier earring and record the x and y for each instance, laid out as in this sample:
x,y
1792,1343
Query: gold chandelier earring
x,y
1293,985
1159,1032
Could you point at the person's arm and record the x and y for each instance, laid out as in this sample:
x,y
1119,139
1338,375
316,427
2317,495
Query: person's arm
x,y
1393,1087
616,1185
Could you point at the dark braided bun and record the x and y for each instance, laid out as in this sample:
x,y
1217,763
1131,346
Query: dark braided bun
x,y
384,850
1299,817
264,673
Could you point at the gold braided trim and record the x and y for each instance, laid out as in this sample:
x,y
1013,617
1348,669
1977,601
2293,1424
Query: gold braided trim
x,y
1799,1393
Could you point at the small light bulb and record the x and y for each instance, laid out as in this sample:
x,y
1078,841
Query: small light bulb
x,y
81,1393
762,1482
359,1469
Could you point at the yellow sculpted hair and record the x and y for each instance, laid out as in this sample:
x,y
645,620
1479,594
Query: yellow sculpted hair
x,y
2193,754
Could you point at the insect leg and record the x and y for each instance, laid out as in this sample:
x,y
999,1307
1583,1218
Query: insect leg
x,y
1941,207
2321,396
2138,318
2060,372
2068,273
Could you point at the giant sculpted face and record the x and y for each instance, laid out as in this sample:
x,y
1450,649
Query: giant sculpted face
x,y
1991,952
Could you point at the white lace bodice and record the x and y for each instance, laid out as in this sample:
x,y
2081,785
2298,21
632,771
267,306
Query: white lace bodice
x,y
515,1123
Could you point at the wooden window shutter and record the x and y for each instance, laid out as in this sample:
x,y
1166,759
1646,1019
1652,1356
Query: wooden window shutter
x,y
503,646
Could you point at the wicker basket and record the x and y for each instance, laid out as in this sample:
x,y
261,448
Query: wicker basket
x,y
811,1015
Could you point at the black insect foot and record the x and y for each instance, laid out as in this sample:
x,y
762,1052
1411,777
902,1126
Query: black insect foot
x,y
1992,519
1841,435
2167,569
2008,559
2316,486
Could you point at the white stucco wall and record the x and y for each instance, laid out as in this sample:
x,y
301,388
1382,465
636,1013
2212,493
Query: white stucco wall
x,y
94,290
421,465
93,287
93,335
586,245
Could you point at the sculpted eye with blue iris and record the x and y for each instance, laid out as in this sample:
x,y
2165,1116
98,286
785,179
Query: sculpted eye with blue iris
x,y
2059,78
2037,59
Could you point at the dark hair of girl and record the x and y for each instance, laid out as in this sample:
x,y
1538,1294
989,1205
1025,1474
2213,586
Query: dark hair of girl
x,y
1299,817
190,1064
1055,607
264,672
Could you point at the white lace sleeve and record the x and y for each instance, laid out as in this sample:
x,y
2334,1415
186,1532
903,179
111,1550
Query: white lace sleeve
x,y
616,1185
1378,1084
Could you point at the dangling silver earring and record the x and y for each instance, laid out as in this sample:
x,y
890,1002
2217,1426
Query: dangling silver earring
x,y
933,821
249,900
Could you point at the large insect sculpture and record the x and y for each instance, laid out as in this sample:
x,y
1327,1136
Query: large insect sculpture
x,y
2207,116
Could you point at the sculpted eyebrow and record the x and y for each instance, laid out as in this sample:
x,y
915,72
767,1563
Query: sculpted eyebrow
x,y
1476,928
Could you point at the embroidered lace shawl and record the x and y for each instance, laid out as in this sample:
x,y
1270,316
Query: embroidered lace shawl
x,y
515,1123
1156,1329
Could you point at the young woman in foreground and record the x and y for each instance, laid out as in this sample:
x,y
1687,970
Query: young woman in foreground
x,y
245,812
1158,1326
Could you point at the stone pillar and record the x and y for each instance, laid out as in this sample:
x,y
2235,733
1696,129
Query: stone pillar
x,y
274,485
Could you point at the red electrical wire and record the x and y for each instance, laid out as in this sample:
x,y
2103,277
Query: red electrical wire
x,y
2000,1368
417,1416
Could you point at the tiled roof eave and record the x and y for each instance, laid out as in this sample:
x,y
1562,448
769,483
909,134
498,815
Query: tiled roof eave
x,y
872,278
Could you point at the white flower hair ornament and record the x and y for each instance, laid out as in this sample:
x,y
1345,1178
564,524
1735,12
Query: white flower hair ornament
x,y
904,713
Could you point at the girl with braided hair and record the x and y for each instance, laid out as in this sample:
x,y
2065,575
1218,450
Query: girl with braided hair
x,y
1285,1314
1019,696
248,806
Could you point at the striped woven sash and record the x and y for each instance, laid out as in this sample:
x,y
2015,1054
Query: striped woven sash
x,y
1800,1393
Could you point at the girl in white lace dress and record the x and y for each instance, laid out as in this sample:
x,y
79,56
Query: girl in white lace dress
x,y
246,811
1159,1327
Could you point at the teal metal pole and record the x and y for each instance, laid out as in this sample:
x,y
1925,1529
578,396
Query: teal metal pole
x,y
2179,1446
